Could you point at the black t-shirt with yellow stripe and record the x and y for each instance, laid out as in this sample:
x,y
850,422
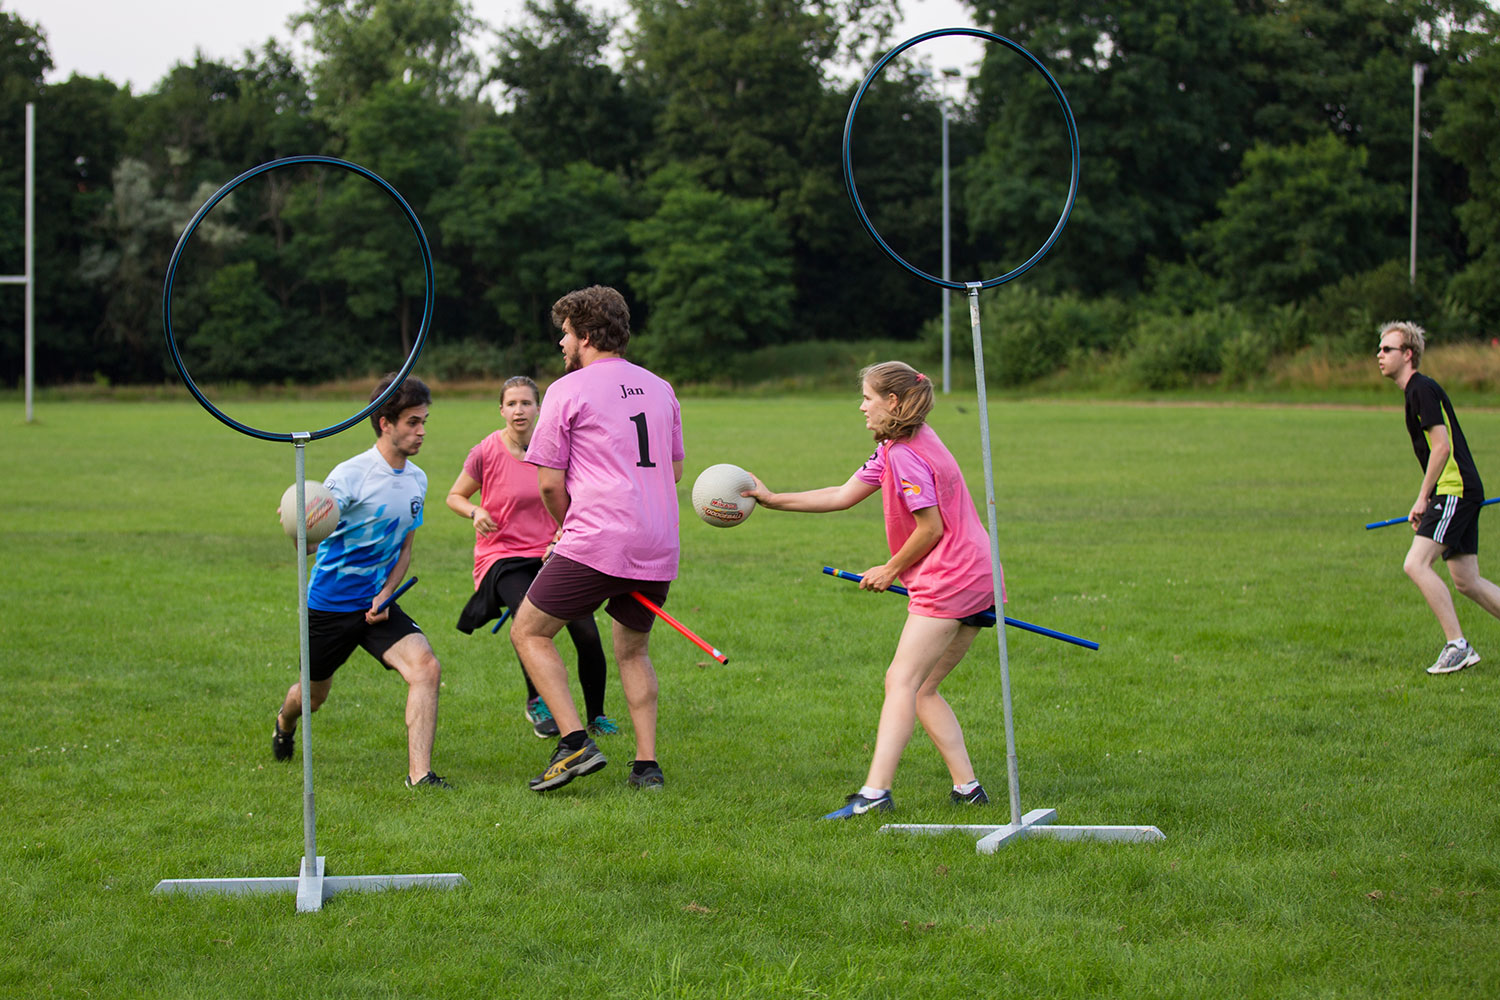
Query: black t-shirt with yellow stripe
x,y
1427,405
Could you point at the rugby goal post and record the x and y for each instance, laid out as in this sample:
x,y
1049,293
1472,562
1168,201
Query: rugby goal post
x,y
28,278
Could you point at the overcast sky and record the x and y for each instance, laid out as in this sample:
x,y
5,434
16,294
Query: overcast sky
x,y
138,42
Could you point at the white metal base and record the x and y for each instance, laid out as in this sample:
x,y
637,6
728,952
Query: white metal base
x,y
311,885
1037,823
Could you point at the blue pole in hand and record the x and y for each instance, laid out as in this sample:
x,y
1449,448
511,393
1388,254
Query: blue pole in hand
x,y
392,599
1012,622
1403,520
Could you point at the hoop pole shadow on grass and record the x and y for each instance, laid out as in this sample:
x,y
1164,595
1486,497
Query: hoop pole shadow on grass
x,y
1403,520
311,885
1038,820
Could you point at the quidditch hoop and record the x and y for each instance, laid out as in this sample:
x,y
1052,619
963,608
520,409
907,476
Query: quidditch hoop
x,y
411,359
1072,141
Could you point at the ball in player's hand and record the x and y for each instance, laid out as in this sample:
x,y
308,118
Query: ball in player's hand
x,y
322,511
716,495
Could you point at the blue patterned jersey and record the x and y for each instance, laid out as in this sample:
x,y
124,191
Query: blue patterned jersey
x,y
378,507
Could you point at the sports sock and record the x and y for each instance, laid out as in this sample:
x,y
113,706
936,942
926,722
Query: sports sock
x,y
574,740
641,766
966,787
874,793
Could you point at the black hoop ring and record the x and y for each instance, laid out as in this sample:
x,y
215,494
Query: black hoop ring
x,y
1062,100
411,359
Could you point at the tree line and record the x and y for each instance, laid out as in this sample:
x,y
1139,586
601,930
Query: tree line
x,y
1245,186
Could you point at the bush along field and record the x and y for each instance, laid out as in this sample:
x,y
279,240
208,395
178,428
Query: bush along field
x,y
1330,811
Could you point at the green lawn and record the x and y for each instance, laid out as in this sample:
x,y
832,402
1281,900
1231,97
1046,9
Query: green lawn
x,y
1332,814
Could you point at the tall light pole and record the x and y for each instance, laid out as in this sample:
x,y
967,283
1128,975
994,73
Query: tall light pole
x,y
1418,70
948,74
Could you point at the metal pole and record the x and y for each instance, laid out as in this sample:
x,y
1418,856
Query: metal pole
x,y
1417,72
947,294
30,234
309,823
1013,771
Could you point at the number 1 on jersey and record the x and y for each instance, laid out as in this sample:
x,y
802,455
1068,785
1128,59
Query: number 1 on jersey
x,y
643,443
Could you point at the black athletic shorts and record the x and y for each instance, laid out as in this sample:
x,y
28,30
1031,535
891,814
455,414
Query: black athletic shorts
x,y
566,589
332,636
503,586
1452,522
980,619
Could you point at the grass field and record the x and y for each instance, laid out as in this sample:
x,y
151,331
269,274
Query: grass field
x,y
1331,813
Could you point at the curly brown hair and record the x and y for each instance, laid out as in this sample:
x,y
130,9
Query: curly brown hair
x,y
413,392
599,315
913,392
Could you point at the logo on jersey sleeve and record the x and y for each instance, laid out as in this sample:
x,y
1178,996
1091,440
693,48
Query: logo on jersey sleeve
x,y
416,507
910,488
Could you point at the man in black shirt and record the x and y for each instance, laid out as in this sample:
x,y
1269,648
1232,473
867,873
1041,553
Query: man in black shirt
x,y
1445,516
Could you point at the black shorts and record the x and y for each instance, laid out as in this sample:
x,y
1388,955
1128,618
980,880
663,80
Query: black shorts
x,y
503,586
332,636
566,589
980,619
1452,522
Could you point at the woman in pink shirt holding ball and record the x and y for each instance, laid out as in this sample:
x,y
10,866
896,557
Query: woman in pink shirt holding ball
x,y
939,549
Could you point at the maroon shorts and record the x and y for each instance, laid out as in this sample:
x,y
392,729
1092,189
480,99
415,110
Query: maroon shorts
x,y
566,589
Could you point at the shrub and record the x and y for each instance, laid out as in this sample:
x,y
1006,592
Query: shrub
x,y
1169,350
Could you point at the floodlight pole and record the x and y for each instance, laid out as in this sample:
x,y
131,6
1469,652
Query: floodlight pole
x,y
1418,71
27,279
947,295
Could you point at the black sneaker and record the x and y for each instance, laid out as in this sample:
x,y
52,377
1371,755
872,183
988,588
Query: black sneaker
x,y
974,798
429,779
540,717
651,778
283,743
568,764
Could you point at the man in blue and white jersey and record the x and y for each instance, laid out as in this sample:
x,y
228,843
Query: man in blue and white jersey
x,y
380,496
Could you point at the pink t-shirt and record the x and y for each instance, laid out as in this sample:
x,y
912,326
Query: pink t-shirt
x,y
508,490
615,429
953,579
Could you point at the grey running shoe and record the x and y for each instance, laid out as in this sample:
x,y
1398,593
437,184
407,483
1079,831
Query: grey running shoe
x,y
651,778
603,725
567,765
1454,657
540,717
430,779
283,743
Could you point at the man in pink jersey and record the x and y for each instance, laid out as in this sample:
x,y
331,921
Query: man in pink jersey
x,y
608,451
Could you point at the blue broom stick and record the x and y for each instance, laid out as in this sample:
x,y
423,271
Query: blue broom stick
x,y
1012,622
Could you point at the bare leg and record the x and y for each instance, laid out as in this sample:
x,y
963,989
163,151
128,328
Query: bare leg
x,y
638,681
937,717
291,708
1419,559
532,634
413,659
1465,573
923,644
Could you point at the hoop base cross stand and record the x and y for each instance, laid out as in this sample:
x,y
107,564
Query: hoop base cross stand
x,y
1038,821
312,883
